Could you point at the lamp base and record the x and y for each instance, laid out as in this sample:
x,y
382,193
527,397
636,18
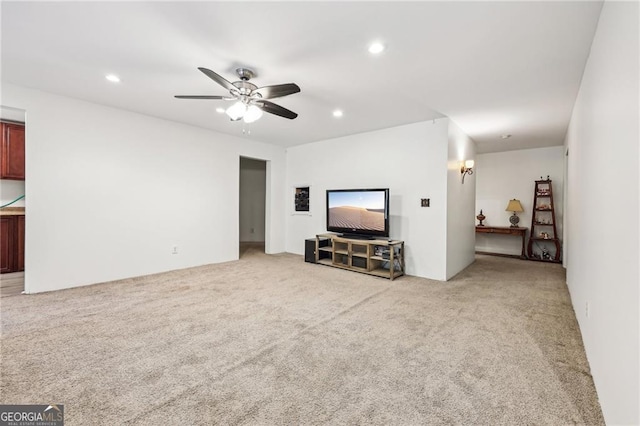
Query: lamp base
x,y
514,220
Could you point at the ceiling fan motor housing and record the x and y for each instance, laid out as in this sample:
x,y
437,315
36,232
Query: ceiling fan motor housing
x,y
245,73
244,87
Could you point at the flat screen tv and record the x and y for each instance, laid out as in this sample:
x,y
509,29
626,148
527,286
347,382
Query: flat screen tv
x,y
358,212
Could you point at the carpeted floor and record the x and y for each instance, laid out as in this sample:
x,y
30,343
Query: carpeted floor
x,y
271,340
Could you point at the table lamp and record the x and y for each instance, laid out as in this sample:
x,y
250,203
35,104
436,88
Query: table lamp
x,y
515,207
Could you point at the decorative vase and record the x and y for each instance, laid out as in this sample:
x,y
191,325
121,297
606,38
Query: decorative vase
x,y
514,219
481,217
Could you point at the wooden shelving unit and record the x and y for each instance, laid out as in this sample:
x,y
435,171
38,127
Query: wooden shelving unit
x,y
382,258
543,225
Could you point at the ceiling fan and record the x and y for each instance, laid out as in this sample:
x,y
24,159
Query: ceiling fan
x,y
251,100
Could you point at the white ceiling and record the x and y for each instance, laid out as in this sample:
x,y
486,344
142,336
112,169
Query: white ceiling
x,y
493,67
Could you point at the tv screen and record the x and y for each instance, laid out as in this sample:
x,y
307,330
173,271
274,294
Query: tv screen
x,y
358,211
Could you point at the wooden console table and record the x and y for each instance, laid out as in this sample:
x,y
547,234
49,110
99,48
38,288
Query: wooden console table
x,y
504,230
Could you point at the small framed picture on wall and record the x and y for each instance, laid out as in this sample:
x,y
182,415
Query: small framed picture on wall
x,y
301,199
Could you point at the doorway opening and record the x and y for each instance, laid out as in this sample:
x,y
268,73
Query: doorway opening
x,y
252,210
12,201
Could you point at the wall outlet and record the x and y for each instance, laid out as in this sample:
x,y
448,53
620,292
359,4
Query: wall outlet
x,y
174,250
587,309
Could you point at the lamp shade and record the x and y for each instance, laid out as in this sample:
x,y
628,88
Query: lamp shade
x,y
514,206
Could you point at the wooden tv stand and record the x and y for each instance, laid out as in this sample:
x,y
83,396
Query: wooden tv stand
x,y
380,257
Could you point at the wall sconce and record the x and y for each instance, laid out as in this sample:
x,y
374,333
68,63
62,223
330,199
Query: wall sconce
x,y
515,207
466,169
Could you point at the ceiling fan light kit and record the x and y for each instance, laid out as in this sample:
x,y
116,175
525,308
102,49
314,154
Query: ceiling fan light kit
x,y
376,48
251,100
236,111
253,114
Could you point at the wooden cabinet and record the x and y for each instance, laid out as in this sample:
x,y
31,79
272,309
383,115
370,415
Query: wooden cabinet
x,y
12,243
6,243
382,258
13,152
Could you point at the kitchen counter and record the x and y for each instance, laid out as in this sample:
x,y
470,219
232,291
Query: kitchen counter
x,y
12,211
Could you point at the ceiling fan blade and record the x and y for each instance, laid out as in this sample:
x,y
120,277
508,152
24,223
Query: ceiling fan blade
x,y
226,98
277,91
272,108
218,79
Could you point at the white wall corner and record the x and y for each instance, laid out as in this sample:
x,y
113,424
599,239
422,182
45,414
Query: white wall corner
x,y
410,160
120,201
461,199
502,176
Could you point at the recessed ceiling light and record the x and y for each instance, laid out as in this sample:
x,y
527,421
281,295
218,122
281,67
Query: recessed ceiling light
x,y
112,78
220,110
376,48
505,136
337,113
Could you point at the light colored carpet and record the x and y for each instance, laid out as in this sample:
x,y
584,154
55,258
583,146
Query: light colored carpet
x,y
272,340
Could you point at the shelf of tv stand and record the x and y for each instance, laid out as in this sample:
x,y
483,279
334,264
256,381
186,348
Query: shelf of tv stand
x,y
342,252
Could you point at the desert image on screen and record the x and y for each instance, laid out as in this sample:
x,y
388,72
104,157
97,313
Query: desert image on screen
x,y
357,210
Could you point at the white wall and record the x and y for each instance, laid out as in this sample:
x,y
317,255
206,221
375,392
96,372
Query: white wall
x,y
460,203
110,192
410,160
602,211
252,199
512,174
